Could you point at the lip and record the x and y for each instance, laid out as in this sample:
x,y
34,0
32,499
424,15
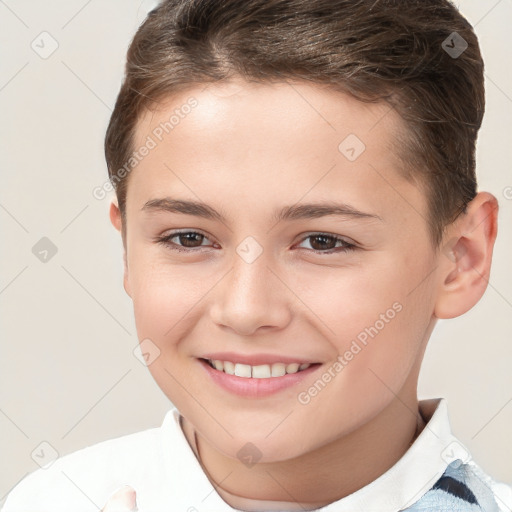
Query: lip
x,y
256,388
253,360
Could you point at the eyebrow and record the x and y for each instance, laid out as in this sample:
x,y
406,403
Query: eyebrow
x,y
293,212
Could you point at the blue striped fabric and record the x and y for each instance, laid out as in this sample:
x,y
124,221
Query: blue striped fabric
x,y
460,489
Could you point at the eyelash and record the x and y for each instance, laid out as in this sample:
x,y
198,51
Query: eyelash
x,y
166,241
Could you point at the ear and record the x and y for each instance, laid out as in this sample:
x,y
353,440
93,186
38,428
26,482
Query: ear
x,y
117,221
465,260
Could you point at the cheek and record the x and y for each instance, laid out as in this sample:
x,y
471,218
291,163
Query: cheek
x,y
349,300
163,297
166,302
163,280
377,343
372,320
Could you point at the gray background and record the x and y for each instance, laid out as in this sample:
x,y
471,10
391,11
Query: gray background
x,y
68,373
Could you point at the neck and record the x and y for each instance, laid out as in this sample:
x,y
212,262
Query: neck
x,y
339,468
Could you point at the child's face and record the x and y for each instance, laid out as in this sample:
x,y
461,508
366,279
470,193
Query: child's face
x,y
249,151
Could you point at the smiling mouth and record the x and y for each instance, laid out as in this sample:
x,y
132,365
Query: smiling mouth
x,y
263,371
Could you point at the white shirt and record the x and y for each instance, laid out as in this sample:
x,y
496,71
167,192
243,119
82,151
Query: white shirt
x,y
163,469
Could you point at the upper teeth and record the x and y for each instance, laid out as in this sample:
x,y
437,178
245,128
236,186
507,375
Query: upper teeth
x,y
263,371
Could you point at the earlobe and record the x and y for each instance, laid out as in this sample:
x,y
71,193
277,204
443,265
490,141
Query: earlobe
x,y
465,261
115,215
117,222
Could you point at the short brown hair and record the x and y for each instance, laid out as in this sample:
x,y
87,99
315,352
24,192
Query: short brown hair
x,y
396,51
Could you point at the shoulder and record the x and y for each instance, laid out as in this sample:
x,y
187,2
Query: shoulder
x,y
87,477
499,491
465,486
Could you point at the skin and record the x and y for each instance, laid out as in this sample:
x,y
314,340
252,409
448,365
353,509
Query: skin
x,y
122,500
247,149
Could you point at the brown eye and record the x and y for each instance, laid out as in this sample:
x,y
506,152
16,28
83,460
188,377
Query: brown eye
x,y
190,239
323,243
186,240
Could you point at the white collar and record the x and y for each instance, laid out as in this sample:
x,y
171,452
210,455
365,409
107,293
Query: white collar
x,y
399,487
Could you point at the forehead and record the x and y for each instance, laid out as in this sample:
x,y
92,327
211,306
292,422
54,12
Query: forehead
x,y
285,109
274,140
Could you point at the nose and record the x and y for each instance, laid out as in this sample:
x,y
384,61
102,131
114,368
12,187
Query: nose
x,y
251,297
